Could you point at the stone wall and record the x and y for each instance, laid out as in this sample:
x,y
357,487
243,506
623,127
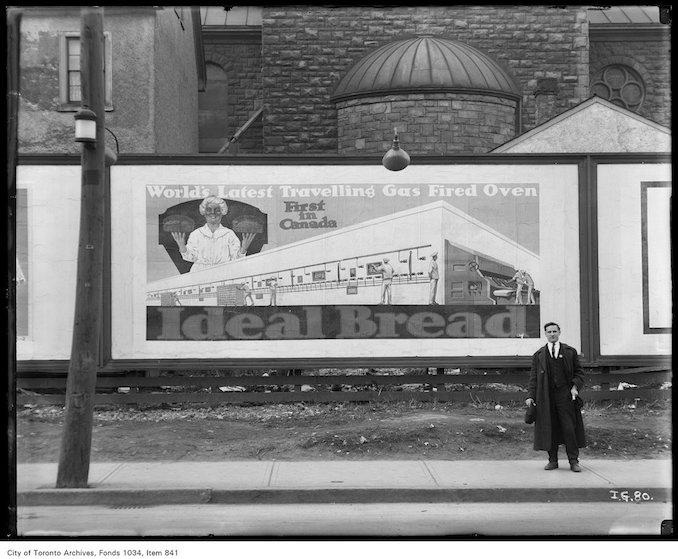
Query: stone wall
x,y
307,50
652,60
240,59
437,124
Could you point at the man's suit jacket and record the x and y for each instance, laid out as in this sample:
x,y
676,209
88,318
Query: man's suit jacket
x,y
573,371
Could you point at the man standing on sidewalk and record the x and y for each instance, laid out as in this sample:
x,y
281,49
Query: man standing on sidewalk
x,y
556,377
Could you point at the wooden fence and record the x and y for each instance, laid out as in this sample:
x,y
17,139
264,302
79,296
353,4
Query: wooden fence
x,y
644,383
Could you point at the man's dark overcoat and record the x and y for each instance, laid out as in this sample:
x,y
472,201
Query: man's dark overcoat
x,y
538,390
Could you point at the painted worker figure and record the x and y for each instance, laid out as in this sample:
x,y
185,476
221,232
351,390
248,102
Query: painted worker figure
x,y
273,286
212,243
433,277
386,271
247,290
556,377
20,277
521,277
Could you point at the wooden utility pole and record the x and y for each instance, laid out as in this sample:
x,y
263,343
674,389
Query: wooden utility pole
x,y
76,444
13,49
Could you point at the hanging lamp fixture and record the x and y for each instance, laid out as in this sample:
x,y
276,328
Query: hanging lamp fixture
x,y
395,159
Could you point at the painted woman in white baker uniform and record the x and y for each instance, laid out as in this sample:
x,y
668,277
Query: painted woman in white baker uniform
x,y
212,243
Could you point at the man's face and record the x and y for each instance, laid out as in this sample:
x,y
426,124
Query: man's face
x,y
552,333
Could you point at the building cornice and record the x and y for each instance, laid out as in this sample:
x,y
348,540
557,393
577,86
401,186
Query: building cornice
x,y
231,34
339,159
629,32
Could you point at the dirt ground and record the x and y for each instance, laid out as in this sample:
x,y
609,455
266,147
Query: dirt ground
x,y
343,431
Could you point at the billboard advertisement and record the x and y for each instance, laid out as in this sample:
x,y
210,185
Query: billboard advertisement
x,y
325,261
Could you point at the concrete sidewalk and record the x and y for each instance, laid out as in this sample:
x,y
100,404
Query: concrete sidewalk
x,y
272,482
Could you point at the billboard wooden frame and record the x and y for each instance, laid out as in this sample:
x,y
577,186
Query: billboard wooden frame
x,y
588,254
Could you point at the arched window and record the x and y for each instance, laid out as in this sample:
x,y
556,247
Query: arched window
x,y
621,85
212,110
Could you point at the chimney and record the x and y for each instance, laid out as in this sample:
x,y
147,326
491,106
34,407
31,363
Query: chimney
x,y
545,95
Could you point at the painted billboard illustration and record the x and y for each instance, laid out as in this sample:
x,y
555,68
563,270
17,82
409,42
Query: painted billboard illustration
x,y
22,271
332,261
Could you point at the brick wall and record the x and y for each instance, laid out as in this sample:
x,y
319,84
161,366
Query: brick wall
x,y
652,60
307,50
440,123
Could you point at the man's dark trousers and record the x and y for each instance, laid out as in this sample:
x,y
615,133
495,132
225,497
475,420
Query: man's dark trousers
x,y
563,422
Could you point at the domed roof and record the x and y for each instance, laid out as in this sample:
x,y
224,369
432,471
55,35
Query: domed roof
x,y
426,63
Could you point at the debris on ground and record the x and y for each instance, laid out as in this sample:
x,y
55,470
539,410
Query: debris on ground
x,y
401,430
626,386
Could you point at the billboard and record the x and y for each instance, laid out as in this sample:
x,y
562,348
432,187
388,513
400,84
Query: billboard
x,y
328,264
334,261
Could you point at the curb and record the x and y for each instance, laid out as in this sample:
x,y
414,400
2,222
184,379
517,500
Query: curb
x,y
202,496
112,497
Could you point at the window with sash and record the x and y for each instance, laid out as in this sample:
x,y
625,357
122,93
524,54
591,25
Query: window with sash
x,y
70,72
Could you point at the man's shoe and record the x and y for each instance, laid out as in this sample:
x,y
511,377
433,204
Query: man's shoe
x,y
551,466
575,467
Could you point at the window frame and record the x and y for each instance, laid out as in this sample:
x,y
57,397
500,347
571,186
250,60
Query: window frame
x,y
632,74
65,103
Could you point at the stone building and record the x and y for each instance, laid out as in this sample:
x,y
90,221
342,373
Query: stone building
x,y
338,80
452,79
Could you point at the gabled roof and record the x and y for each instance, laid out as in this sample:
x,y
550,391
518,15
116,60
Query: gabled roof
x,y
594,126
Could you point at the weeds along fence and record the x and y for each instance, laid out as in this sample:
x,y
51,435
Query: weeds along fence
x,y
156,388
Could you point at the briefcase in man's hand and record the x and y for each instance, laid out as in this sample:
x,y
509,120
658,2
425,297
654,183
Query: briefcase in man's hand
x,y
530,414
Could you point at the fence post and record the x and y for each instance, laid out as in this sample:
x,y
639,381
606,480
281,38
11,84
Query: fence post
x,y
440,371
436,386
605,385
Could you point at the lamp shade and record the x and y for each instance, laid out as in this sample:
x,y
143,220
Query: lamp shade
x,y
396,159
85,126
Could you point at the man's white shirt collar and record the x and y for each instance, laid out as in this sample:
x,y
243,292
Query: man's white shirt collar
x,y
554,346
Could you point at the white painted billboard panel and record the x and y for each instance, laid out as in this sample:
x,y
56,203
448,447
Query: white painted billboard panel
x,y
634,255
47,225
